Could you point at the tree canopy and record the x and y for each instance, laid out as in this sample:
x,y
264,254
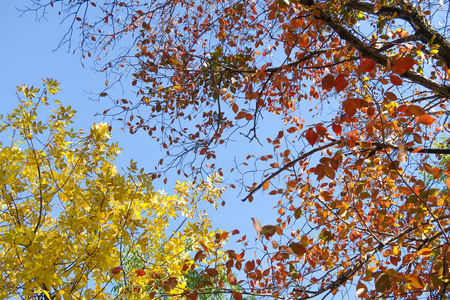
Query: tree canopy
x,y
70,220
355,93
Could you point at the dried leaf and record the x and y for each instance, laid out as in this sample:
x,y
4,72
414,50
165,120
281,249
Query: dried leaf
x,y
257,227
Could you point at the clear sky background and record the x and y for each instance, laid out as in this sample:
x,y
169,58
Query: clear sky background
x,y
29,52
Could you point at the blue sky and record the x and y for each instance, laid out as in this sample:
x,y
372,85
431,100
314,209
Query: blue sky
x,y
29,54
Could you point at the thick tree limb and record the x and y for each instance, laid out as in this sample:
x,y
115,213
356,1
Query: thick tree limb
x,y
373,53
417,20
380,146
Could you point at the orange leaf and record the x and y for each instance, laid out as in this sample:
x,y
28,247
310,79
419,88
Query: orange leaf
x,y
395,80
266,185
340,83
425,119
367,64
328,82
203,151
425,252
311,136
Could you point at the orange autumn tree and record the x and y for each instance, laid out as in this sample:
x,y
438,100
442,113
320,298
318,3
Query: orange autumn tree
x,y
356,92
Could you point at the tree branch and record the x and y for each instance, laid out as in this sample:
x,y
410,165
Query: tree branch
x,y
288,165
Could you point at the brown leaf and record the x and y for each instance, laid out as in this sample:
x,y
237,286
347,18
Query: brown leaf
x,y
237,295
361,290
297,248
249,266
328,82
231,279
382,282
269,230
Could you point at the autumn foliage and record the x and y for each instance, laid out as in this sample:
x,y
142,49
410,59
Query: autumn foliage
x,y
356,94
70,219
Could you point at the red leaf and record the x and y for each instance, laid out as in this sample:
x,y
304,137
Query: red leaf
x,y
203,151
116,270
311,136
402,65
340,83
140,272
336,128
328,82
367,64
395,80
425,119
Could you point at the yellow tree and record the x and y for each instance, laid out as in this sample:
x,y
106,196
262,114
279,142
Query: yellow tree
x,y
69,218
